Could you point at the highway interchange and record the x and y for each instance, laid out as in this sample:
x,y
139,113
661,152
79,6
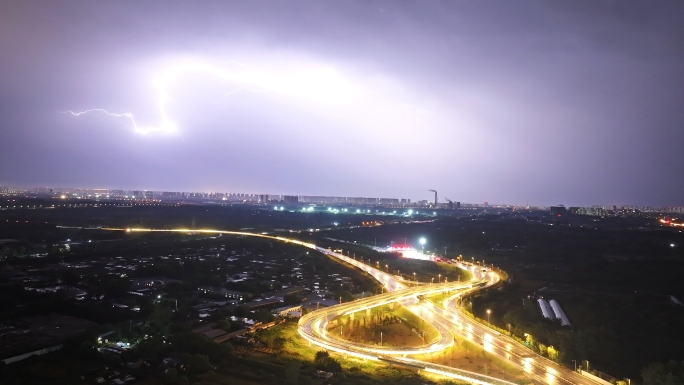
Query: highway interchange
x,y
449,320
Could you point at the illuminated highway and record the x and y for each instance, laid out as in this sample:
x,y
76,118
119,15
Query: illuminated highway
x,y
535,366
448,320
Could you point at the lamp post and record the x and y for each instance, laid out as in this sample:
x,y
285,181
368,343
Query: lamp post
x,y
575,362
380,338
422,245
488,313
414,277
439,279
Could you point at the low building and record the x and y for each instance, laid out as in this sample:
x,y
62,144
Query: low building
x,y
317,304
288,311
215,333
262,303
29,336
221,292
282,293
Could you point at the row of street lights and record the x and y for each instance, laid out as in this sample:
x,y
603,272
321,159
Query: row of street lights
x,y
439,280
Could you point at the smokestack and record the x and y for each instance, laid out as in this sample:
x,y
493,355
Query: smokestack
x,y
435,191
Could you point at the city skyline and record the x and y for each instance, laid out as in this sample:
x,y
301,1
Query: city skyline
x,y
575,104
326,200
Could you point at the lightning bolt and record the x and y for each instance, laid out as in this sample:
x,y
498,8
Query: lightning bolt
x,y
165,79
315,84
134,127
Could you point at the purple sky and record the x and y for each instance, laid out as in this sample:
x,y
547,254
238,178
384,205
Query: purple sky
x,y
577,103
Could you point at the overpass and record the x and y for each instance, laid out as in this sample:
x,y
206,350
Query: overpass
x,y
449,320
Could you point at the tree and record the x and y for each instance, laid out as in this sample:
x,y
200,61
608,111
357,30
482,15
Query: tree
x,y
552,353
171,375
278,343
224,324
671,373
292,299
263,316
292,372
323,361
87,349
346,295
152,349
241,312
193,343
197,363
159,319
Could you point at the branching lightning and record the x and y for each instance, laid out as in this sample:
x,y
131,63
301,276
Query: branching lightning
x,y
313,83
134,126
166,78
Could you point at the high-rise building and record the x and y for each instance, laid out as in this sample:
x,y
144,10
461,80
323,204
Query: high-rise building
x,y
290,199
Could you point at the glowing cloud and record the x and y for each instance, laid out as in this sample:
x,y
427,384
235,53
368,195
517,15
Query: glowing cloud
x,y
318,84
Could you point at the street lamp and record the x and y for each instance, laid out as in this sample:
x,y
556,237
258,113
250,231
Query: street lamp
x,y
439,280
575,361
414,277
432,280
380,338
422,245
387,268
488,313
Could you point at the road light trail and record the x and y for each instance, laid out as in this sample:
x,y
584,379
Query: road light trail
x,y
451,319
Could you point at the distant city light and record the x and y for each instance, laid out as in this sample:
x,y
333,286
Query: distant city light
x,y
422,241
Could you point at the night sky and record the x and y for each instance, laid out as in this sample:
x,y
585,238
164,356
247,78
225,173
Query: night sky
x,y
546,102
